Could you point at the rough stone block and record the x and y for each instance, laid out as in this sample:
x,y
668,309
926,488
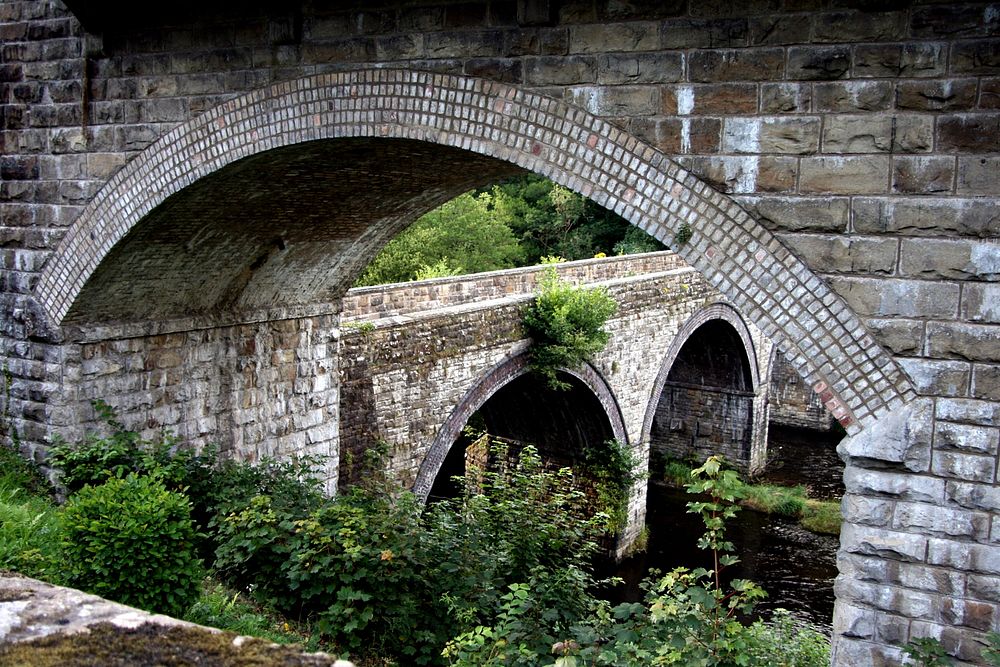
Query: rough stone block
x,y
777,29
968,467
989,94
852,621
954,340
937,95
893,484
902,436
851,96
877,60
968,411
816,214
785,98
922,217
982,497
912,133
867,511
967,438
616,101
881,297
951,21
818,63
711,99
844,254
863,26
899,336
986,381
559,71
745,174
894,545
619,68
612,37
759,64
978,176
844,175
933,258
937,520
796,135
857,134
976,57
938,378
923,175
981,301
973,558
969,133
700,33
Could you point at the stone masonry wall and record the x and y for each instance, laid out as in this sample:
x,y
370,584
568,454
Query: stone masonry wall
x,y
697,422
867,140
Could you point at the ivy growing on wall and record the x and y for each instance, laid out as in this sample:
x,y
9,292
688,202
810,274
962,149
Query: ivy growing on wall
x,y
566,325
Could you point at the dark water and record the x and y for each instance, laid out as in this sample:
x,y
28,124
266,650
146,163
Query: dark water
x,y
795,567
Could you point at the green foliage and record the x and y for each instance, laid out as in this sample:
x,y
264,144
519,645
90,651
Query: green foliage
x,y
991,654
220,607
927,652
465,235
133,541
785,642
30,533
821,516
566,325
683,235
614,469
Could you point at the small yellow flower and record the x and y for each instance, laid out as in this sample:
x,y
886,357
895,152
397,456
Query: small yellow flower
x,y
387,555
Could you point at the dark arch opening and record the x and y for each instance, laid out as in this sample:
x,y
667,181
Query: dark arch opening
x,y
706,406
561,424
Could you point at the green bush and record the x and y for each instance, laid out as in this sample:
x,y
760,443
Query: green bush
x,y
30,534
566,325
613,468
133,541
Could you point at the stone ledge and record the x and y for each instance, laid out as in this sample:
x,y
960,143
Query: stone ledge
x,y
35,614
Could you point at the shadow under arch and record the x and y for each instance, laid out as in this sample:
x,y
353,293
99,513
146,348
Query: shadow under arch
x,y
722,313
499,377
810,323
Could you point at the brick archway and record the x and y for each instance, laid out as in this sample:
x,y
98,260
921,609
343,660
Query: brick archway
x,y
501,375
716,312
816,330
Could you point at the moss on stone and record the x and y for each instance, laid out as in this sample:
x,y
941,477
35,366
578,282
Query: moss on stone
x,y
107,645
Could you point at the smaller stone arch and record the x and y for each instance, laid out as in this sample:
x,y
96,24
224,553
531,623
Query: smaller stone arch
x,y
501,375
719,312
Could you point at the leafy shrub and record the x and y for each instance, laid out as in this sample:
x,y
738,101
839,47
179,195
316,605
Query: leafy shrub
x,y
927,652
785,642
132,540
614,469
566,325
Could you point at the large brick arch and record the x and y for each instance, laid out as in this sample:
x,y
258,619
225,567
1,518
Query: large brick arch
x,y
502,374
818,333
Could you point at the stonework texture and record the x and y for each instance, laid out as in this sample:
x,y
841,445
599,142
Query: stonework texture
x,y
173,189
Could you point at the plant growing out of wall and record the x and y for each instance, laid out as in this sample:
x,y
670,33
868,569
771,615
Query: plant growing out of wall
x,y
566,325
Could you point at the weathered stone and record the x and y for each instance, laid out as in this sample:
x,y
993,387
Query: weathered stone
x,y
986,381
899,336
903,436
867,511
989,94
983,497
818,63
626,101
937,95
895,545
859,26
912,133
962,217
938,378
708,99
785,98
826,214
857,134
923,175
760,64
660,67
703,33
969,467
796,135
978,176
953,340
745,174
952,21
852,96
844,254
602,38
976,57
977,260
963,437
981,302
893,484
976,133
777,29
552,70
969,411
852,621
843,175
936,520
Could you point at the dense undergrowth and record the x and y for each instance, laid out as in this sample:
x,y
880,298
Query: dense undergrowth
x,y
500,575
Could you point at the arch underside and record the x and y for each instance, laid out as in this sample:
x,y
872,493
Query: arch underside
x,y
495,124
504,382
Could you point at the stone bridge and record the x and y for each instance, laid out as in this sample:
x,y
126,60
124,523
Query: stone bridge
x,y
418,360
185,199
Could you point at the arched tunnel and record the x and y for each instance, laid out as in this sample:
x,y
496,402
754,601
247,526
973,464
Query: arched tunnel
x,y
285,228
706,406
559,423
